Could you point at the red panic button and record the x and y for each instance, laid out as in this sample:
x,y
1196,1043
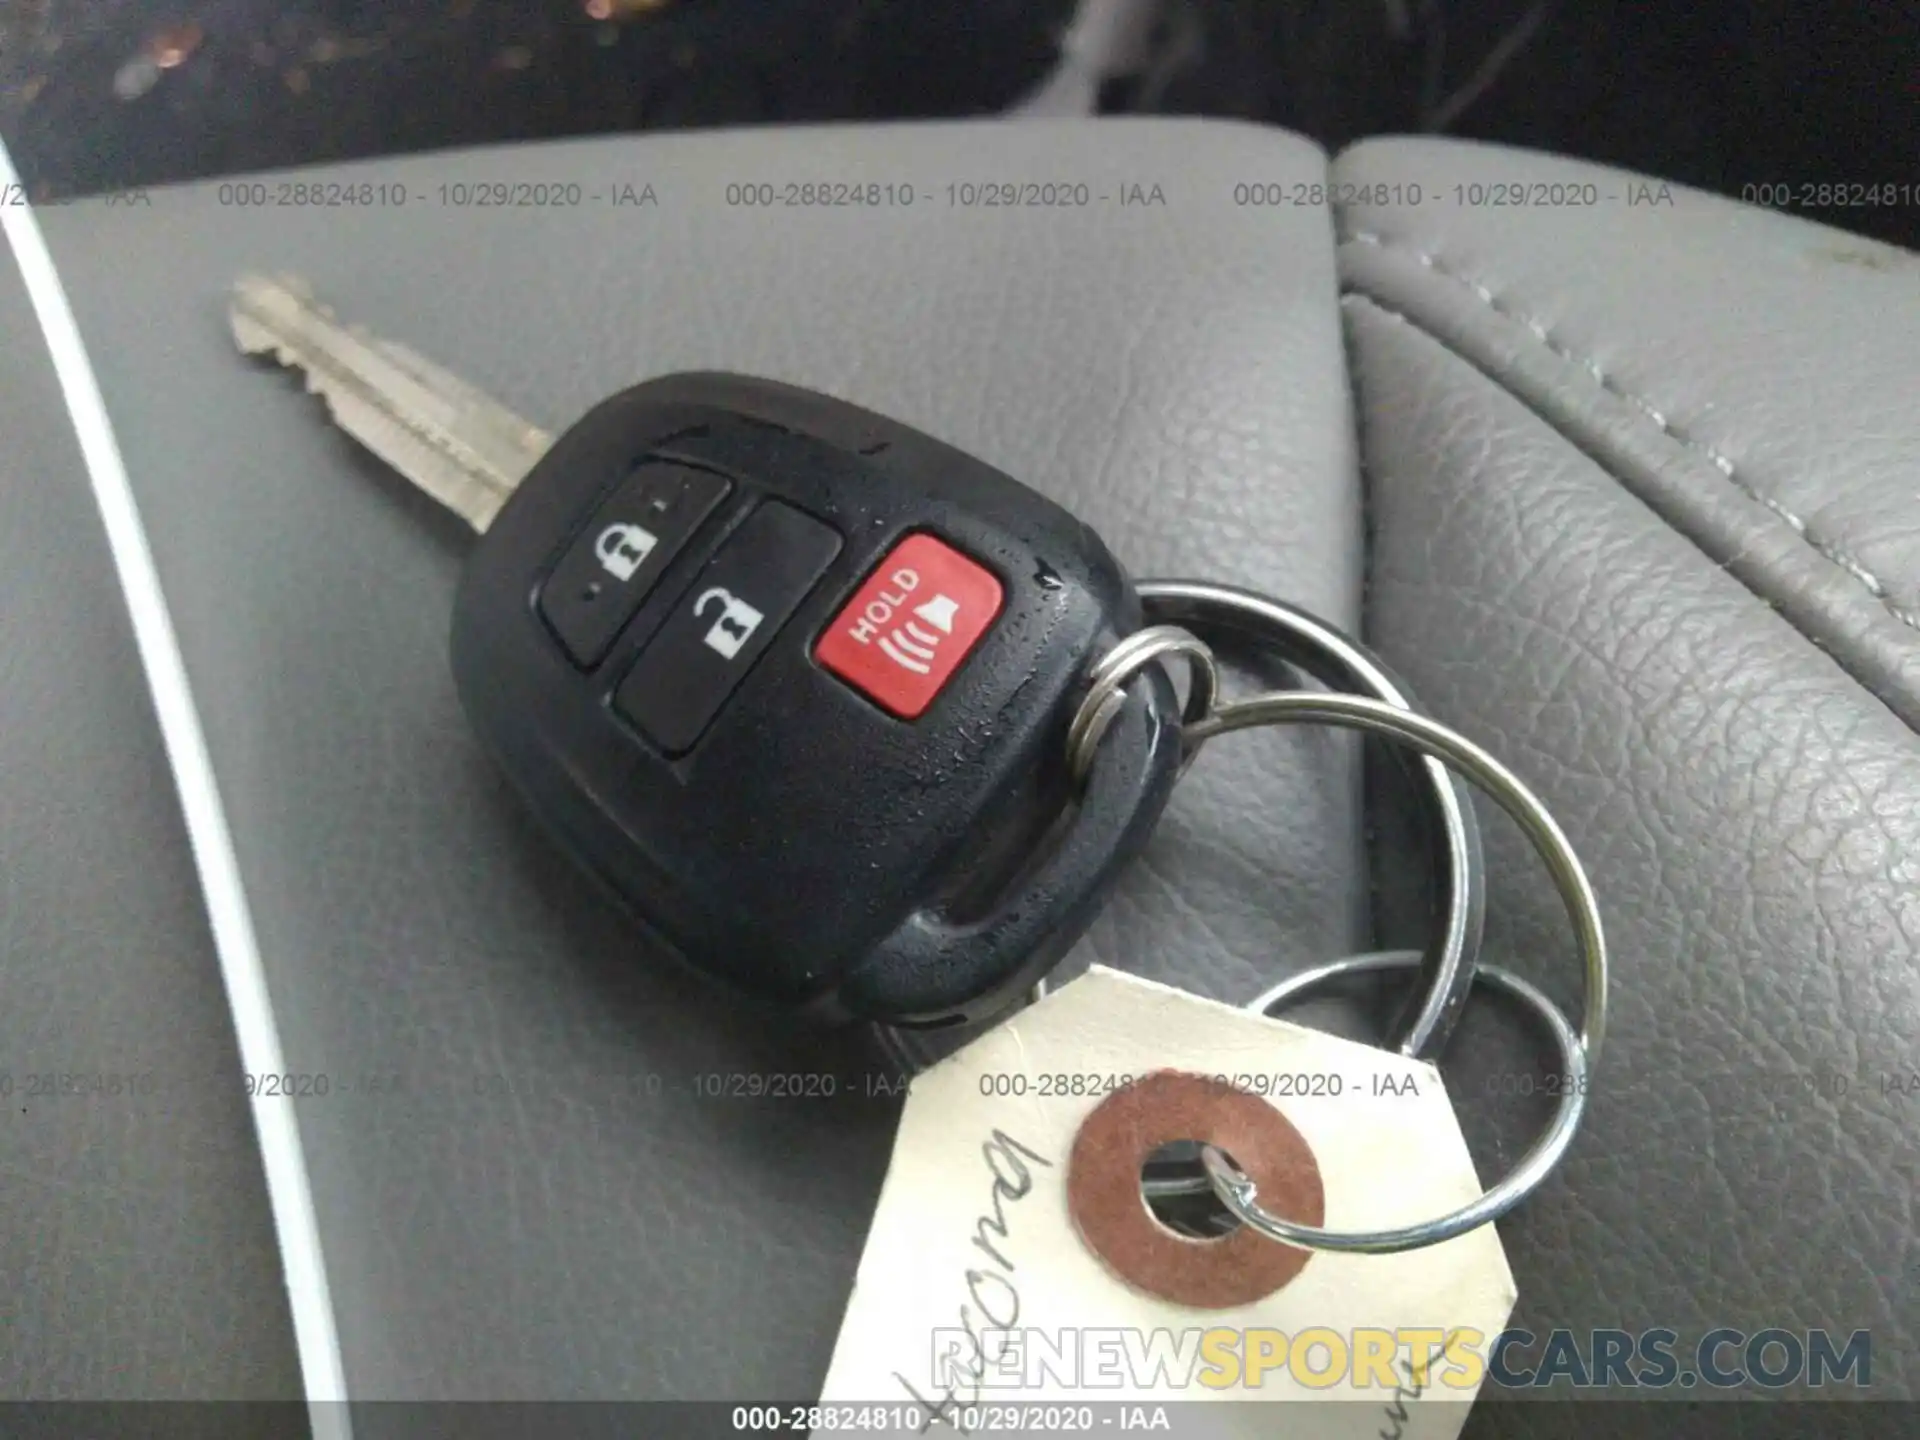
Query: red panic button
x,y
905,632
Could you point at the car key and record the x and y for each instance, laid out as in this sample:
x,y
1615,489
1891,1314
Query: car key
x,y
792,679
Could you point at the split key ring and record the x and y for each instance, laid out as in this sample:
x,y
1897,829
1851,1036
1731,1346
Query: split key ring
x,y
1180,614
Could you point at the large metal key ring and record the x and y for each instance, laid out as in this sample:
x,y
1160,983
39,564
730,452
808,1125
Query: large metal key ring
x,y
1581,1049
1309,644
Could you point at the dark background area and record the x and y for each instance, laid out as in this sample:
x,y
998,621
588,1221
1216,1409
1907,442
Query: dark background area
x,y
116,93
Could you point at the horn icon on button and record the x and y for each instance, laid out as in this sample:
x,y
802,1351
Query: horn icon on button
x,y
939,612
911,647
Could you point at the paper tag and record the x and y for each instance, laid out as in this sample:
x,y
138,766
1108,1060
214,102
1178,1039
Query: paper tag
x,y
1015,1281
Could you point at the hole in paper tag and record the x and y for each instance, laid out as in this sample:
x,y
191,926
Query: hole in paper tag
x,y
1180,1195
1112,1216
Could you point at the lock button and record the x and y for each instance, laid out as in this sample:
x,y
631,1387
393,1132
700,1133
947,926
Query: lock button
x,y
607,571
728,617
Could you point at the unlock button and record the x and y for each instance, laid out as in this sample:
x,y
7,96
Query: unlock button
x,y
728,618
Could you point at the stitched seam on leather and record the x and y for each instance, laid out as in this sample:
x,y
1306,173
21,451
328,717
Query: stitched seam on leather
x,y
1505,307
1369,532
1353,295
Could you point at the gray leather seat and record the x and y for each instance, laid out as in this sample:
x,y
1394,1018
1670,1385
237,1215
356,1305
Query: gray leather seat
x,y
1626,491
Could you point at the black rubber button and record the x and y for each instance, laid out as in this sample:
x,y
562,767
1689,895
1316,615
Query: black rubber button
x,y
727,619
614,562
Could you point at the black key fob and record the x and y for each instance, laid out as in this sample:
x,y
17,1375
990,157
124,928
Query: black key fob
x,y
795,681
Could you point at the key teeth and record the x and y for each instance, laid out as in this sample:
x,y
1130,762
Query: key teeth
x,y
252,298
452,441
286,281
255,297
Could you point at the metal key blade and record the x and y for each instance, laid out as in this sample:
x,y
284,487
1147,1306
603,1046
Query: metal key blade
x,y
448,438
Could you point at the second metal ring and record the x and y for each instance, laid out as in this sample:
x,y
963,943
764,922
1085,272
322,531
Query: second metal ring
x,y
1175,610
1580,1049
